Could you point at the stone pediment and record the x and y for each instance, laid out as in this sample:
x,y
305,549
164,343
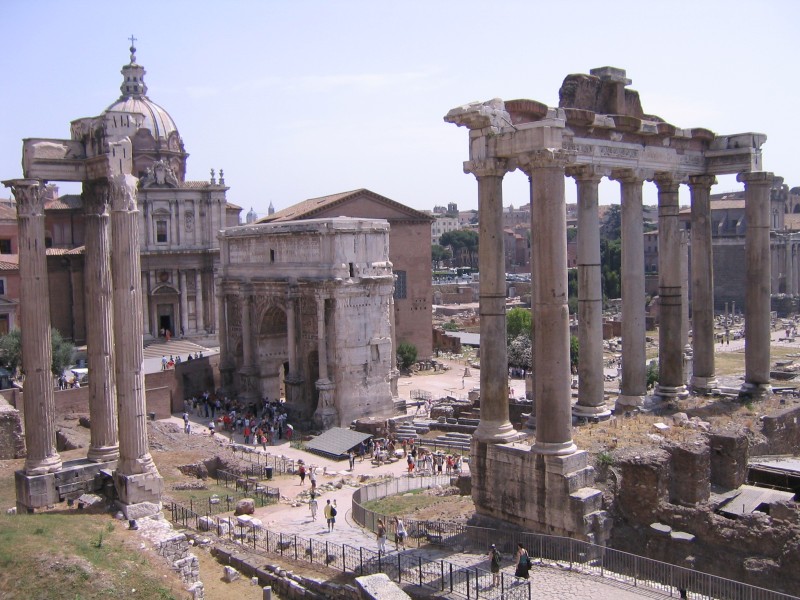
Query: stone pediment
x,y
361,203
164,290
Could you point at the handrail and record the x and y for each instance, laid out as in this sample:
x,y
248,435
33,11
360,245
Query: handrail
x,y
577,555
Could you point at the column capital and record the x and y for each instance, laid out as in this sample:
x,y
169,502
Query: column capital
x,y
667,182
702,181
29,195
586,173
546,158
630,176
490,167
123,193
96,197
755,177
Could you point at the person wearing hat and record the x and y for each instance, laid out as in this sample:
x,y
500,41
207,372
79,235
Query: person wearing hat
x,y
494,564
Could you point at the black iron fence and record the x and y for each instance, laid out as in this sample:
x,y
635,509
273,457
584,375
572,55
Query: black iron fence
x,y
404,568
263,465
563,552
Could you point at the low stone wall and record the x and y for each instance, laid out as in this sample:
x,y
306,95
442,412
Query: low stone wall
x,y
285,583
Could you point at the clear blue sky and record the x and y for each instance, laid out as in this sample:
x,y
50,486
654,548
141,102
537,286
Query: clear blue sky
x,y
302,98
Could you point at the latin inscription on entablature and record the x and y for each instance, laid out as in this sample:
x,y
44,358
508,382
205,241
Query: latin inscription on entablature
x,y
603,151
258,250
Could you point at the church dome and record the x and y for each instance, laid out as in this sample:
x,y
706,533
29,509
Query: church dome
x,y
157,137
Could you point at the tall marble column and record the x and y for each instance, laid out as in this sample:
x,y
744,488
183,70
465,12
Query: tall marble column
x,y
226,363
702,285
104,441
184,303
37,353
495,426
247,333
757,294
591,398
550,308
670,343
198,301
633,386
291,330
138,483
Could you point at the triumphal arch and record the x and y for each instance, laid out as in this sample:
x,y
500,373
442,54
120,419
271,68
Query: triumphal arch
x,y
307,305
598,130
98,154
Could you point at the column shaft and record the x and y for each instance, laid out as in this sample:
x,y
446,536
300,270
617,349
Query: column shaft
x,y
591,399
184,303
634,375
758,270
37,354
291,331
104,445
322,346
551,354
125,260
702,284
494,426
247,334
670,342
198,302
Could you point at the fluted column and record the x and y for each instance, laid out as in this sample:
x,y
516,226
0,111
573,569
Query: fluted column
x,y
134,453
198,301
550,308
104,444
247,334
757,293
670,344
633,386
326,414
291,330
184,298
702,269
591,398
494,426
149,238
37,353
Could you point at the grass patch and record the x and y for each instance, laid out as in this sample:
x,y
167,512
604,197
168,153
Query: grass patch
x,y
407,503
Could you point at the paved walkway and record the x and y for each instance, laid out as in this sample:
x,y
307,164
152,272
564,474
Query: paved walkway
x,y
547,581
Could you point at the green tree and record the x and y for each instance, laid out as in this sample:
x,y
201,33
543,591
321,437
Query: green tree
x,y
520,351
652,373
611,264
611,227
574,350
518,320
406,355
439,254
11,351
450,325
464,245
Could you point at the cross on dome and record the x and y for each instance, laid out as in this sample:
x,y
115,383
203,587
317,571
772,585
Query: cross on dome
x,y
133,48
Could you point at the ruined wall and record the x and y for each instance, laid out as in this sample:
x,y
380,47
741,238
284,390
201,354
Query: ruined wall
x,y
782,431
12,442
663,510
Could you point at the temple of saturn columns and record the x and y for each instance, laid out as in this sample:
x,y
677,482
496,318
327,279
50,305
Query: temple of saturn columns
x,y
99,155
598,130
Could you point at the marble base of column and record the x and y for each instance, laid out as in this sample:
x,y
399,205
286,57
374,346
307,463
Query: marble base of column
x,y
754,391
495,432
554,448
591,412
671,392
628,402
139,494
703,384
326,415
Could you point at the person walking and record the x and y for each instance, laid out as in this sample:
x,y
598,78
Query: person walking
x,y
352,458
330,515
312,506
381,534
312,477
399,534
186,426
494,564
302,472
211,427
523,562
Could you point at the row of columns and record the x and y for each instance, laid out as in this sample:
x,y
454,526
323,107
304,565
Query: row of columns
x,y
151,310
553,417
113,294
203,232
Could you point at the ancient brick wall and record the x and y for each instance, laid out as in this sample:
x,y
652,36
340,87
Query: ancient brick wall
x,y
645,483
728,456
12,442
782,431
690,472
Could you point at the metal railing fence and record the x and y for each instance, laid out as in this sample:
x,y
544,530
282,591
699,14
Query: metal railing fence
x,y
573,554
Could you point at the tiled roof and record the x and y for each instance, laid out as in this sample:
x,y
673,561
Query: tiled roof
x,y
195,185
9,262
64,251
66,202
233,206
308,208
7,213
792,221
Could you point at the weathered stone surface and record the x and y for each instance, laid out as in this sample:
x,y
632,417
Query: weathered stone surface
x,y
12,441
690,472
245,506
230,574
729,452
379,586
645,476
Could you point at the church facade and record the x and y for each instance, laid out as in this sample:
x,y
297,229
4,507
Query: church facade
x,y
179,224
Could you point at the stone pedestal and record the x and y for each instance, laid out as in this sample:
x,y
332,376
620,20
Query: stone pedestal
x,y
326,415
540,493
74,477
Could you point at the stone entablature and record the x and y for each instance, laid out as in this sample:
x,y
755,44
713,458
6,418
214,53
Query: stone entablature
x,y
307,306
